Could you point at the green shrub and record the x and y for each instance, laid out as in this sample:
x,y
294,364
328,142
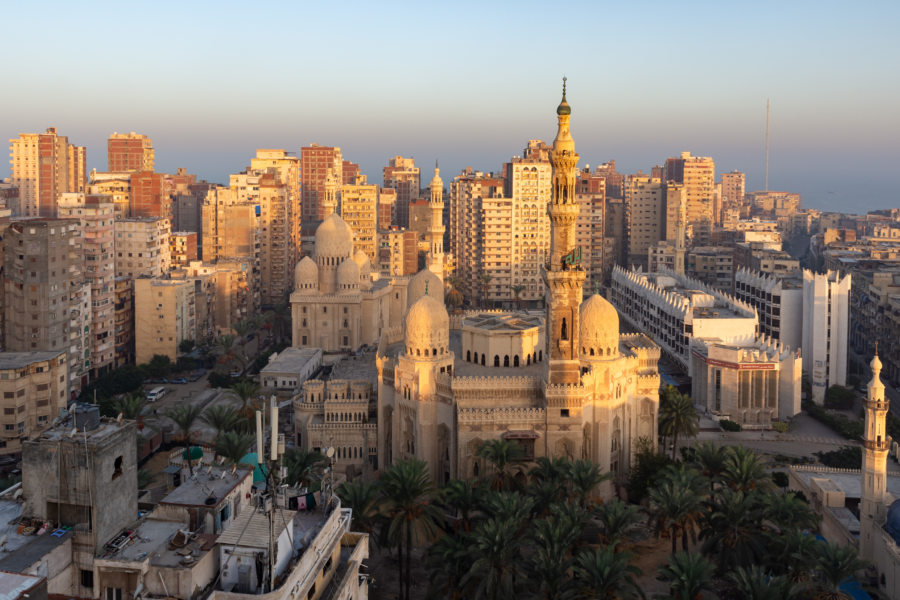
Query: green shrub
x,y
729,425
780,478
852,430
781,426
840,398
845,457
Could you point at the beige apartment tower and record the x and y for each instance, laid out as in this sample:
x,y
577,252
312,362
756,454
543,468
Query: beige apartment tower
x,y
359,209
644,216
142,247
164,316
33,388
698,175
43,166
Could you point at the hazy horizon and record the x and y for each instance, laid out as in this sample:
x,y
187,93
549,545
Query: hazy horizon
x,y
469,85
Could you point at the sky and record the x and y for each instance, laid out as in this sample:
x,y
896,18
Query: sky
x,y
469,83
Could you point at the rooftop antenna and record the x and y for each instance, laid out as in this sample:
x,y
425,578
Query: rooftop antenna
x,y
767,144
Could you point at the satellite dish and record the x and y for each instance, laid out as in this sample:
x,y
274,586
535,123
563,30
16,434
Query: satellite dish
x,y
224,473
73,432
329,452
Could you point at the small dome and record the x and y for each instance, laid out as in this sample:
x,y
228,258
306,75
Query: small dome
x,y
599,328
892,523
427,328
348,276
424,282
334,238
365,275
564,108
306,275
360,258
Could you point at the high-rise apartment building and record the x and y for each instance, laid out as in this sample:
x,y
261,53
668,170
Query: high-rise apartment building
x,y
644,216
277,253
315,163
164,316
826,330
349,172
402,175
398,252
33,389
124,321
149,196
129,153
183,248
43,166
287,165
733,189
47,303
614,181
95,243
698,175
359,209
117,186
470,193
142,247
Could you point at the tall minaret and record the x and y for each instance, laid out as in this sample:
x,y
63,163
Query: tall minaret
x,y
329,202
679,234
563,280
435,234
874,463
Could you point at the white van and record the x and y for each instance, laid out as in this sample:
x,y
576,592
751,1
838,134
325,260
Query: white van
x,y
156,393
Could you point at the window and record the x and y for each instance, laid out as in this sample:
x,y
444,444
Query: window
x,y
564,412
87,578
113,593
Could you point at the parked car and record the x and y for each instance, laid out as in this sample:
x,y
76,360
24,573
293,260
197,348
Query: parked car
x,y
156,393
178,380
195,375
235,374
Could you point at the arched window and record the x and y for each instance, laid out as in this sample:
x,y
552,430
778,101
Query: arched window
x,y
540,355
564,332
468,356
592,351
506,360
516,360
434,351
482,360
496,360
527,359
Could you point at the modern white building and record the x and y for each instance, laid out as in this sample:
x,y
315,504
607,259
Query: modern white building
x,y
826,330
778,302
288,369
674,309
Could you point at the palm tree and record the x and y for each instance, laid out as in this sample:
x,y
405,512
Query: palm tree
x,y
834,565
711,460
586,476
221,417
789,513
225,342
130,405
794,555
454,298
233,446
184,416
677,416
754,583
688,575
616,518
362,497
744,470
462,498
674,508
485,280
502,454
517,292
508,505
245,390
242,328
605,573
553,538
303,467
411,515
448,562
732,528
495,546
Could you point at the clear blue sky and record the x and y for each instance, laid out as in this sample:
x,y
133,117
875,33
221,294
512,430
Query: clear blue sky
x,y
470,83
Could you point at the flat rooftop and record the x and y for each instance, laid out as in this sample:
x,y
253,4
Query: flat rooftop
x,y
150,540
106,429
21,551
849,483
517,321
716,312
18,360
194,491
291,360
251,528
355,367
15,585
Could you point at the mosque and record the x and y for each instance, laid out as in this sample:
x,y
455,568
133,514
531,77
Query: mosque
x,y
567,384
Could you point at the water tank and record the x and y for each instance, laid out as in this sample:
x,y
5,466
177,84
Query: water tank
x,y
87,416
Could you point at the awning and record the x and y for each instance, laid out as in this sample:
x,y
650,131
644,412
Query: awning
x,y
172,469
520,434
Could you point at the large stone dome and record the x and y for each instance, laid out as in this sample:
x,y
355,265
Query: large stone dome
x,y
348,276
334,238
422,281
306,276
599,328
427,328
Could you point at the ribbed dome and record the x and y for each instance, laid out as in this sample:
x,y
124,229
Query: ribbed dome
x,y
427,328
348,276
599,328
306,275
365,275
424,279
360,258
334,238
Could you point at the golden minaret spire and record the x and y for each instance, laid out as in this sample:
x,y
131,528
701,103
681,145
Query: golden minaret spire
x,y
874,462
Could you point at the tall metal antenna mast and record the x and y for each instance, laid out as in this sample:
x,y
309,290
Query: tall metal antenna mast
x,y
767,144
